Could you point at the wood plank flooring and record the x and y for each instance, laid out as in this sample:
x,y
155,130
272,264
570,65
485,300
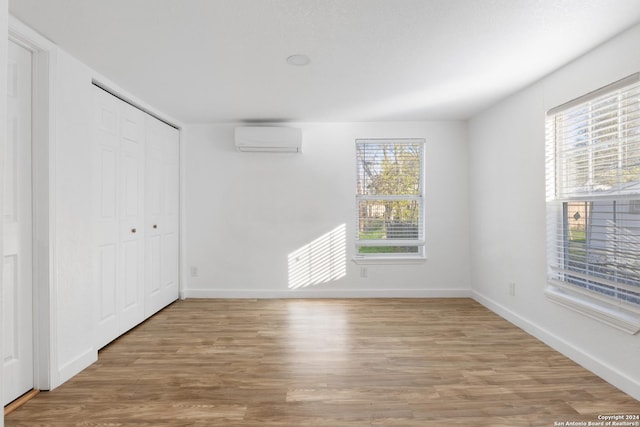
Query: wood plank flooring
x,y
20,401
329,363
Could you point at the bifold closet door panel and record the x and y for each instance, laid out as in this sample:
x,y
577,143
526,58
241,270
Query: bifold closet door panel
x,y
118,216
132,231
106,148
161,212
171,236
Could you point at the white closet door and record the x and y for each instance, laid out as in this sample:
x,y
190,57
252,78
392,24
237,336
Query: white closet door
x,y
131,217
106,211
17,283
161,208
118,215
171,230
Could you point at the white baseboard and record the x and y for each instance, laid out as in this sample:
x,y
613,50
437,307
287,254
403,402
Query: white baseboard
x,y
272,294
74,366
598,367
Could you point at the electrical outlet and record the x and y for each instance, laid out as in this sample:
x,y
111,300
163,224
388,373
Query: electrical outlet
x,y
512,289
194,271
363,272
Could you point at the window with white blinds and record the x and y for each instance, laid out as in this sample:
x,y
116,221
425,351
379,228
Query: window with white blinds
x,y
593,195
389,198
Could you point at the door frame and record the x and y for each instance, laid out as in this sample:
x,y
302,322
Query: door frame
x,y
43,199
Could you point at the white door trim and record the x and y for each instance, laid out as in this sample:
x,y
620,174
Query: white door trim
x,y
43,175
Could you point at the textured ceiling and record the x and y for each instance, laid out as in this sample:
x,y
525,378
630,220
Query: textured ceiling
x,y
224,60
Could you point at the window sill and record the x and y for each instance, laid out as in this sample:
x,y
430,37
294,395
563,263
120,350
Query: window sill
x,y
388,260
610,314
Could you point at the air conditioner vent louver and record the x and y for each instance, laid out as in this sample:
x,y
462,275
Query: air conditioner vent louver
x,y
268,139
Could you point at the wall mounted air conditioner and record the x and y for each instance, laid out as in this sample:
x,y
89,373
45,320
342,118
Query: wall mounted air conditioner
x,y
268,139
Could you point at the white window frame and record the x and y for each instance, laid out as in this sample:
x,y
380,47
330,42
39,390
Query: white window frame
x,y
585,292
392,258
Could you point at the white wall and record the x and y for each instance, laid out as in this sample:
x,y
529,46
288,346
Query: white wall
x,y
71,220
247,211
507,214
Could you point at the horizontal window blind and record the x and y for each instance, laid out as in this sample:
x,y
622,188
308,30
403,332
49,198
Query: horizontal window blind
x,y
597,145
389,196
593,165
600,248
